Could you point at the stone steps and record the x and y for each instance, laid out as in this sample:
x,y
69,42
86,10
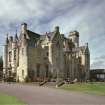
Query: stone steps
x,y
44,84
50,84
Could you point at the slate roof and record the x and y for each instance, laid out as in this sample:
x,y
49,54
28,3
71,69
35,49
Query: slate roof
x,y
32,35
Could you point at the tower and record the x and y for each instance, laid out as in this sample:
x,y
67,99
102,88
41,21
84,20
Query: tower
x,y
22,70
74,36
56,55
5,57
14,54
87,60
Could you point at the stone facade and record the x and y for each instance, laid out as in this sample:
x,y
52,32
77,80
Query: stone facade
x,y
52,56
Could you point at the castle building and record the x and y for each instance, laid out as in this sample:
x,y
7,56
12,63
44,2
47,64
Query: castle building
x,y
52,56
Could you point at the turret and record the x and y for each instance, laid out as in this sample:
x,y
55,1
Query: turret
x,y
14,54
14,42
85,61
10,39
74,36
87,52
5,57
87,58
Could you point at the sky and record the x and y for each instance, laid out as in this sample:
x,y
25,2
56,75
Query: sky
x,y
85,16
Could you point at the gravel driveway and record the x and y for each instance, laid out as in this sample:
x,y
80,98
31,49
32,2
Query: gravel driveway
x,y
35,95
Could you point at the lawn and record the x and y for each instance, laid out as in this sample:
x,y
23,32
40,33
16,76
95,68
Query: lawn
x,y
9,100
92,88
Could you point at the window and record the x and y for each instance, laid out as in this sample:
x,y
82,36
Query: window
x,y
10,73
46,67
10,54
31,73
15,54
38,70
22,72
32,44
25,36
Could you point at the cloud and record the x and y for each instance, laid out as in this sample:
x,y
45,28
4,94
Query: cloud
x,y
99,62
86,16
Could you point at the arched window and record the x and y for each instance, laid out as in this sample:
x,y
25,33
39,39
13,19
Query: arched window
x,y
15,54
38,70
46,67
22,72
10,54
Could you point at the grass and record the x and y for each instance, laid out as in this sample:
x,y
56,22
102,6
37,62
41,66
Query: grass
x,y
92,88
9,100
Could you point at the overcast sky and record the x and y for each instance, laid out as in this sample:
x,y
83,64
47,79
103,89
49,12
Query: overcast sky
x,y
85,16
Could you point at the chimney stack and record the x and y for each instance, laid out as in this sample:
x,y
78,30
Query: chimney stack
x,y
23,27
56,29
